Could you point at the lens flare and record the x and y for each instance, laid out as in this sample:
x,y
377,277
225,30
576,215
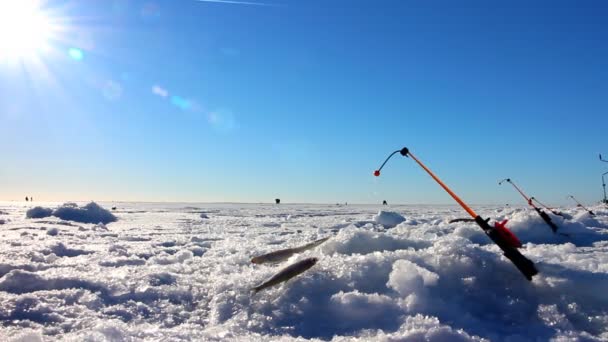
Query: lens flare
x,y
76,54
180,102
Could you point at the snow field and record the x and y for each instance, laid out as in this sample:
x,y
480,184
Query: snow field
x,y
183,272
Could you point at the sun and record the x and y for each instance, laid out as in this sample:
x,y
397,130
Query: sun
x,y
25,29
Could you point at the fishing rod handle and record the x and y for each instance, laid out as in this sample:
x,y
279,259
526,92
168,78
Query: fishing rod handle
x,y
523,264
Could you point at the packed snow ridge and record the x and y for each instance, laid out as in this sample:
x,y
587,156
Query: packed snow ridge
x,y
90,213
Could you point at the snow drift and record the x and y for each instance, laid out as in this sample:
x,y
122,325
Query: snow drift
x,y
39,212
90,213
388,219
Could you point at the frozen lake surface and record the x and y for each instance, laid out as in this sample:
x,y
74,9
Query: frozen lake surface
x,y
171,272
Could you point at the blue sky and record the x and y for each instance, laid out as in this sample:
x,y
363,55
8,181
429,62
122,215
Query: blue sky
x,y
184,100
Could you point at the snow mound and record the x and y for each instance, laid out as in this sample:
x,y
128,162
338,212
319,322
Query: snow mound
x,y
530,227
388,219
351,241
588,220
408,278
39,212
90,213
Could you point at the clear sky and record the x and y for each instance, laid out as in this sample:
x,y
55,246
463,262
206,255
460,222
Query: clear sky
x,y
185,100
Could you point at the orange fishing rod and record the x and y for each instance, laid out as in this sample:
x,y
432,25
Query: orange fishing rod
x,y
582,206
499,234
542,214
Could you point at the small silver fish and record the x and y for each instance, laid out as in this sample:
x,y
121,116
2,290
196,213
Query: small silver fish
x,y
287,273
285,254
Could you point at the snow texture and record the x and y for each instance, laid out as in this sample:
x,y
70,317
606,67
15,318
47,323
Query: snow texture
x,y
161,273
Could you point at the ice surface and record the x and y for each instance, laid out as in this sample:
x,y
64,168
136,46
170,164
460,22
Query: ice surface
x,y
161,272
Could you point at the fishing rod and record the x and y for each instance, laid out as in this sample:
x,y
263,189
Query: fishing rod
x,y
540,212
604,160
604,185
582,206
547,207
499,234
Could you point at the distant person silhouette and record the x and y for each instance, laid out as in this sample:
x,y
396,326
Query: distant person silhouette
x,y
31,199
384,203
26,199
277,200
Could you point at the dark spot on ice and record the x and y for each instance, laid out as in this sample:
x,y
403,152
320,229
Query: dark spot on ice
x,y
145,256
197,251
122,262
113,235
21,228
135,238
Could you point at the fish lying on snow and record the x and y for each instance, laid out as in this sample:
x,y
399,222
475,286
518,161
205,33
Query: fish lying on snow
x,y
287,273
285,254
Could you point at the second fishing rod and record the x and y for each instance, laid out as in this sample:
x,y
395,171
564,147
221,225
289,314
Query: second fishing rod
x,y
530,202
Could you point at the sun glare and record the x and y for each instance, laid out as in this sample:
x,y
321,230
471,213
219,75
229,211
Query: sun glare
x,y
25,29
